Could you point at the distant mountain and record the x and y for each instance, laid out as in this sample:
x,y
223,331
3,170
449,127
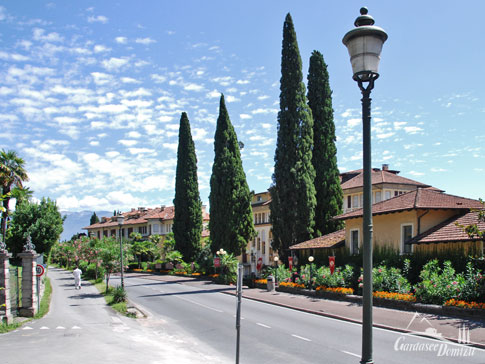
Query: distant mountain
x,y
75,221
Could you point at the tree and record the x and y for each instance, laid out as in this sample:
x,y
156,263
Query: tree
x,y
94,219
329,194
187,222
231,223
42,221
12,173
21,194
293,191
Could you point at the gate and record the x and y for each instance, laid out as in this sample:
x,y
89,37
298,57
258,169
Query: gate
x,y
15,290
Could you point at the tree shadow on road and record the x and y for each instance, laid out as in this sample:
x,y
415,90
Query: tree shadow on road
x,y
218,290
82,296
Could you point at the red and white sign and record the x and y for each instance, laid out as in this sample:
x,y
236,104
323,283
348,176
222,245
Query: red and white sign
x,y
290,262
331,263
39,270
217,262
260,264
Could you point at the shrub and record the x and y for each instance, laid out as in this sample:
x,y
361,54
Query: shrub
x,y
119,295
341,277
439,285
390,280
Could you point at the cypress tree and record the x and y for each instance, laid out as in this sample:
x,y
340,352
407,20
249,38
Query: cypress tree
x,y
292,191
187,223
94,219
231,218
327,177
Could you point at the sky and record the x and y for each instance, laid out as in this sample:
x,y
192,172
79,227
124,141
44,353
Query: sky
x,y
91,92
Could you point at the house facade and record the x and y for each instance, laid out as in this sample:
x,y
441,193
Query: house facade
x,y
415,222
386,184
145,221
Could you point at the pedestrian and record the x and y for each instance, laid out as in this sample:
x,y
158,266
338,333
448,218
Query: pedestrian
x,y
77,277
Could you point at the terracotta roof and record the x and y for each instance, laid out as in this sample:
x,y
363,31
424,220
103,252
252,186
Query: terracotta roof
x,y
421,198
332,240
378,177
447,231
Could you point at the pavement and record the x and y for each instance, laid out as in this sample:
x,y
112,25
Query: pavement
x,y
438,326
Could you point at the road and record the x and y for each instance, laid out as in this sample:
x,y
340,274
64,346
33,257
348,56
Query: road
x,y
271,334
80,328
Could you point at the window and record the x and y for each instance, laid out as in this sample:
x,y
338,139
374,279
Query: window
x,y
406,235
259,244
264,247
113,232
362,200
155,228
354,241
378,196
349,202
387,195
130,230
142,230
355,202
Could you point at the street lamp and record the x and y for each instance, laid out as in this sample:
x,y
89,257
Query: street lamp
x,y
311,259
364,44
120,218
276,259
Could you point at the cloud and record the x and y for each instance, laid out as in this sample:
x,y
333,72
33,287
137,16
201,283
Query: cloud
x,y
128,143
384,135
158,78
193,87
213,94
121,40
264,111
114,63
129,80
145,41
97,19
352,123
99,48
412,129
39,35
230,98
245,116
171,146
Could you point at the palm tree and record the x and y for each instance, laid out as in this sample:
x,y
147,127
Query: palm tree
x,y
21,194
12,173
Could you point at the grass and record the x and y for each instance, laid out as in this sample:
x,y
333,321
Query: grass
x,y
109,298
44,308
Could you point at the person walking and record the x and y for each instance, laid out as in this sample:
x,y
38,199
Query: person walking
x,y
77,277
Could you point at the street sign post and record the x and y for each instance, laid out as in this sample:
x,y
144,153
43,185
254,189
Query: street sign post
x,y
39,270
240,272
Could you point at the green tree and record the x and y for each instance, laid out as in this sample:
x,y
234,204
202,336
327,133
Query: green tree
x,y
293,191
187,223
110,257
231,223
12,173
94,219
42,221
21,194
329,194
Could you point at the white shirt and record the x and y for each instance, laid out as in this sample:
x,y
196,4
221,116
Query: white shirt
x,y
77,273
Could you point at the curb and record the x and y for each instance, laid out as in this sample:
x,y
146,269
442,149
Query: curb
x,y
343,318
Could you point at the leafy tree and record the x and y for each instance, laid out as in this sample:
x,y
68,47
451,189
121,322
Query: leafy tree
x,y
94,219
329,194
293,191
142,249
21,194
231,222
110,257
12,173
42,221
187,223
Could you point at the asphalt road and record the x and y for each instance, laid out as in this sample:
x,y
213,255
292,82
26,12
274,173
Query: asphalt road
x,y
80,328
271,334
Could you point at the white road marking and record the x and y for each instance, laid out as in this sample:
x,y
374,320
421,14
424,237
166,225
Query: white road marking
x,y
60,328
27,328
199,304
44,328
263,325
300,337
348,352
76,328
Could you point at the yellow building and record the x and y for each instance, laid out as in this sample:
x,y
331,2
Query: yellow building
x,y
419,220
386,183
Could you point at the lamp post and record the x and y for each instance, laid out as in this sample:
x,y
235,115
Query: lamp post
x,y
276,259
311,259
364,44
120,218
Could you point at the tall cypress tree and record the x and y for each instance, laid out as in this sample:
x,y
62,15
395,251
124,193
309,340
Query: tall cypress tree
x,y
327,181
94,219
292,191
187,222
231,218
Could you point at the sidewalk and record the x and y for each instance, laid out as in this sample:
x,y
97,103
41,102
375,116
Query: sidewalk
x,y
431,325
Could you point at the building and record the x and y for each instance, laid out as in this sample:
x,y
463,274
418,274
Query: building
x,y
386,183
423,220
145,221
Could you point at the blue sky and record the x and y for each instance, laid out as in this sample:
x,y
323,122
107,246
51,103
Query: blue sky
x,y
92,91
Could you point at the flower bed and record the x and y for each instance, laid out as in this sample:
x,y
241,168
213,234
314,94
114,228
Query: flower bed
x,y
292,285
407,297
464,304
338,290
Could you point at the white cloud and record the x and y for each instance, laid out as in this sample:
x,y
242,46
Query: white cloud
x,y
414,173
121,40
384,135
39,35
194,87
101,78
412,129
264,111
133,134
101,48
213,94
145,41
114,63
141,151
171,146
128,143
98,19
351,123
245,116
231,98
158,78
129,80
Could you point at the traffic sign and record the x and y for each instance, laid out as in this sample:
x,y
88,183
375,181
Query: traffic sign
x,y
39,270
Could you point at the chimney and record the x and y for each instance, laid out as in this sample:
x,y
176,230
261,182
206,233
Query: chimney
x,y
162,207
385,167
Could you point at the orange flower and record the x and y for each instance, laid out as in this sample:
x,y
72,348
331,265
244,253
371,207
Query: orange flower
x,y
340,290
464,304
408,297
